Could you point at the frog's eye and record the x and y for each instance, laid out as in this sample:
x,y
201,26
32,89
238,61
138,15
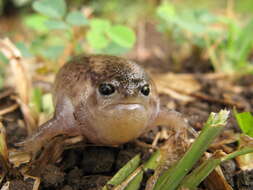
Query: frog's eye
x,y
145,90
106,89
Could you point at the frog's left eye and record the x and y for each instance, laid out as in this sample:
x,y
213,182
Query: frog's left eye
x,y
145,90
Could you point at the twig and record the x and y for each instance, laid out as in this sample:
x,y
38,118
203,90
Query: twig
x,y
19,71
145,145
216,100
207,98
6,93
155,141
9,109
23,82
29,119
124,184
36,183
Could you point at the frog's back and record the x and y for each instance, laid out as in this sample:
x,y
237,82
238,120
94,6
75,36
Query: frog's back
x,y
66,81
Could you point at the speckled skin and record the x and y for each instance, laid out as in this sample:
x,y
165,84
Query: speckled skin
x,y
108,120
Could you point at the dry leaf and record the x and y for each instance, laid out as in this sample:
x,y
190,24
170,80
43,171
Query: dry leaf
x,y
179,86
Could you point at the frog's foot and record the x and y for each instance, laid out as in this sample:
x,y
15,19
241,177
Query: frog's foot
x,y
40,138
174,121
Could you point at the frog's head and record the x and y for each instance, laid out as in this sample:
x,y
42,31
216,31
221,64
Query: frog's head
x,y
123,101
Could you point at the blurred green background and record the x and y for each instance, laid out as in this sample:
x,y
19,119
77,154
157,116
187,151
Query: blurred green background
x,y
216,33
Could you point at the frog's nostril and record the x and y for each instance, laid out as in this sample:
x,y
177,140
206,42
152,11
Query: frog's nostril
x,y
129,93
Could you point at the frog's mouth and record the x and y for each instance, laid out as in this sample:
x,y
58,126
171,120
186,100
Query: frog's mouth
x,y
119,122
129,106
125,106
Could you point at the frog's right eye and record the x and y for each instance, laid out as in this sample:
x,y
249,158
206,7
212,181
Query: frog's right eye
x,y
106,89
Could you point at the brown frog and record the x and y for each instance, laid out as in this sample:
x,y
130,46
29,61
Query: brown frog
x,y
107,99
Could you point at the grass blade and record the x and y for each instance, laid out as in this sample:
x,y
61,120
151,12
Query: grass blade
x,y
172,177
124,172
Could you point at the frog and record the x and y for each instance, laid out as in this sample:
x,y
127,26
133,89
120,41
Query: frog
x,y
108,100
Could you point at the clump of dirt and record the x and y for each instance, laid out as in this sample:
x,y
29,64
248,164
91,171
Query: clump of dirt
x,y
87,167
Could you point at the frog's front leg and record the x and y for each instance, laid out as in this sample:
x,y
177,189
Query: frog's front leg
x,y
63,123
173,120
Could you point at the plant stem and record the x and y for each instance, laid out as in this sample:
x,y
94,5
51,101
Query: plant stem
x,y
240,152
130,176
124,172
200,173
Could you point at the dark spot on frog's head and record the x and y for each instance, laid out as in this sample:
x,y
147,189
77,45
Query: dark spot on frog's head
x,y
124,74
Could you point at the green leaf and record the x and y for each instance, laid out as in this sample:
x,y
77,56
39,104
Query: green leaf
x,y
38,44
52,52
36,101
166,11
205,17
56,25
152,163
245,122
122,35
124,172
1,82
114,49
36,22
79,48
20,3
244,42
76,18
99,25
189,21
96,40
3,58
136,182
47,103
50,8
23,49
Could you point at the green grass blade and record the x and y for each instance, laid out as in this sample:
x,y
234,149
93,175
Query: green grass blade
x,y
124,172
245,122
212,129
